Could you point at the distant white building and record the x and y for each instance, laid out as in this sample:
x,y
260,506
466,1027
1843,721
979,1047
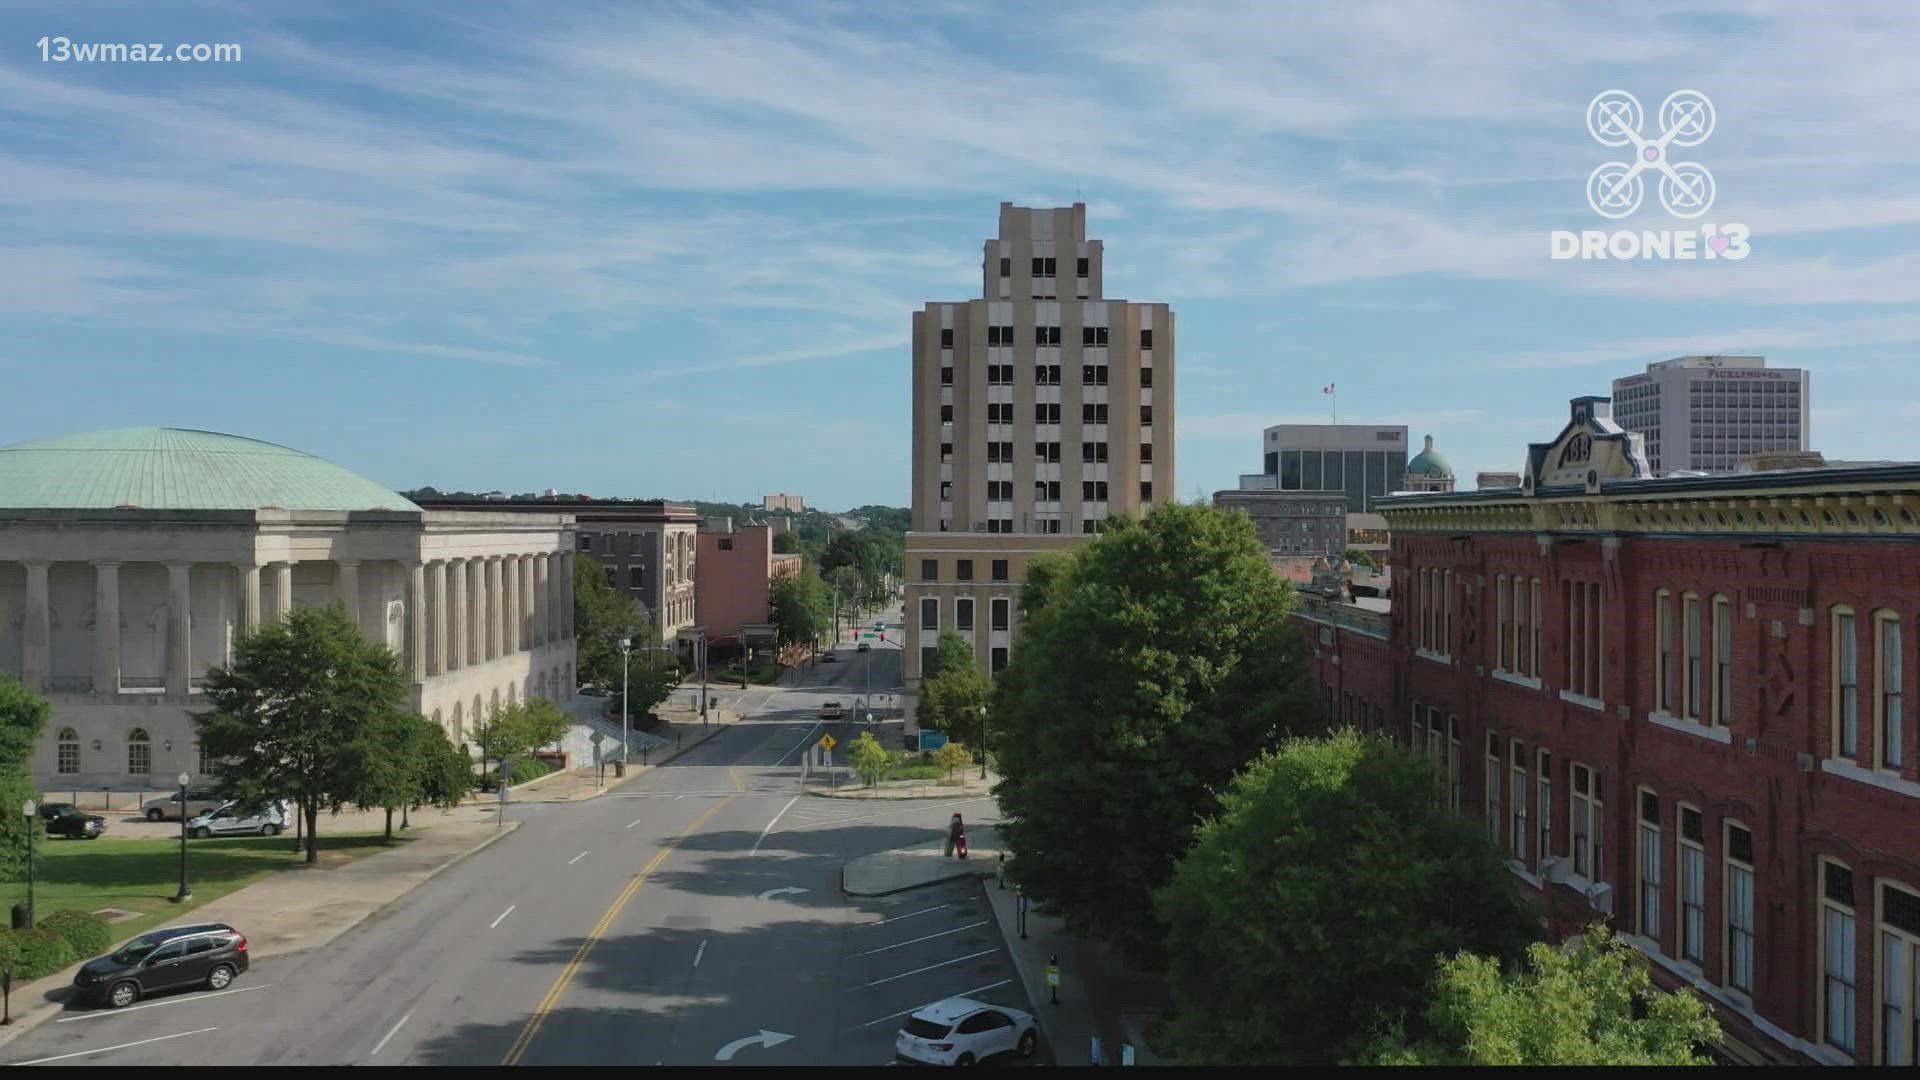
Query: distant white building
x,y
792,504
1713,413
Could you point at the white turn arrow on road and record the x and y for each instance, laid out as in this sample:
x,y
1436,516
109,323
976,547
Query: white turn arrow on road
x,y
767,1040
791,890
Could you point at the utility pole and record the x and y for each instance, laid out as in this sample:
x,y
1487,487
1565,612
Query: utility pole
x,y
703,677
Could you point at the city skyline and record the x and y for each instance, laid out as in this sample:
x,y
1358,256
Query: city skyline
x,y
406,239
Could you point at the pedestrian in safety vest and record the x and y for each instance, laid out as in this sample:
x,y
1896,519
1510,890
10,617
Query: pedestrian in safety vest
x,y
1053,979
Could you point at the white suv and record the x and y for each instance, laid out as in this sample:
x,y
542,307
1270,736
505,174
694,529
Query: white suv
x,y
830,711
962,1031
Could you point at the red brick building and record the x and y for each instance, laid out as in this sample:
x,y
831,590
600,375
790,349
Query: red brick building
x,y
1679,704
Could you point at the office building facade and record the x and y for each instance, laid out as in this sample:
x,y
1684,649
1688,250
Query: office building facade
x,y
1363,461
1712,413
1039,410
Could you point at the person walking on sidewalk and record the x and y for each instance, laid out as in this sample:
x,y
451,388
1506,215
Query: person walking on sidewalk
x,y
956,837
1053,979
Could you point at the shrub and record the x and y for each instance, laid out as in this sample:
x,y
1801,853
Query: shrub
x,y
919,771
88,934
529,769
36,952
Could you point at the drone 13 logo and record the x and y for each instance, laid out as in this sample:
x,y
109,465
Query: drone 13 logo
x,y
1617,189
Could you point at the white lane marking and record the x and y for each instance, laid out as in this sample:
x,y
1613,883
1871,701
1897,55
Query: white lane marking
x,y
918,940
503,916
905,810
676,795
700,952
576,858
634,822
122,1046
930,967
911,914
102,1015
963,993
680,796
771,824
391,1032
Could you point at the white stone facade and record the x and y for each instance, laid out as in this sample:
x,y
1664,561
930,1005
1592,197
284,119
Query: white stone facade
x,y
479,606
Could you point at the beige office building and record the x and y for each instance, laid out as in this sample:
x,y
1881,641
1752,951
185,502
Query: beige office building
x,y
1039,410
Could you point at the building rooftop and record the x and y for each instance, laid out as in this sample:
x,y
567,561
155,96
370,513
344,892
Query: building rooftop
x,y
1429,462
156,468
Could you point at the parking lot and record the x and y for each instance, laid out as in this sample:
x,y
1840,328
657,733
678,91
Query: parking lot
x,y
919,947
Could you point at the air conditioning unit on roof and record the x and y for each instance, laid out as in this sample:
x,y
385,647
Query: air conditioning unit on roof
x,y
1600,898
1553,869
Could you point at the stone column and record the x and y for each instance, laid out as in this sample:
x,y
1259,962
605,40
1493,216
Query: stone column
x,y
179,627
36,653
566,595
496,621
541,612
417,621
283,590
529,625
515,571
437,662
106,628
249,594
558,583
348,583
457,612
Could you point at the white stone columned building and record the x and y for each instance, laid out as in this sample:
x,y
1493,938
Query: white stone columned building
x,y
131,559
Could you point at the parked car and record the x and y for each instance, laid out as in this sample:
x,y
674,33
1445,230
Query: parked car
x,y
66,819
962,1031
199,801
209,955
232,819
830,711
865,646
829,658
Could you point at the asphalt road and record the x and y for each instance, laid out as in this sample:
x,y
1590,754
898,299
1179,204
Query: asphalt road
x,y
671,921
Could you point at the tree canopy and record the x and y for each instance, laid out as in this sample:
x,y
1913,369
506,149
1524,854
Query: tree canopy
x,y
1592,1003
23,720
293,715
798,606
1310,911
602,615
1152,664
518,728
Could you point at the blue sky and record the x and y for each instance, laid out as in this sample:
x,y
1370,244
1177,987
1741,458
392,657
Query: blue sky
x,y
673,249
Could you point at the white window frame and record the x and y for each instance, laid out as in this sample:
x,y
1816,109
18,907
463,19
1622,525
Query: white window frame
x,y
1496,778
1690,899
1837,920
1539,629
1520,639
935,601
1694,689
1503,637
1721,714
1663,666
1456,766
1585,840
1739,917
1446,637
1889,699
1543,772
1647,912
1845,657
68,740
1897,979
1517,793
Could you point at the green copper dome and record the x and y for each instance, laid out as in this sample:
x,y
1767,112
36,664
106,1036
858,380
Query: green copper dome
x,y
178,469
1429,463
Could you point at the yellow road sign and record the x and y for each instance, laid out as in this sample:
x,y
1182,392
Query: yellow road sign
x,y
828,742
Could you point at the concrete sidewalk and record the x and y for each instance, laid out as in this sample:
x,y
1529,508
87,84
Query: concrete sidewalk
x,y
969,786
302,907
576,785
909,868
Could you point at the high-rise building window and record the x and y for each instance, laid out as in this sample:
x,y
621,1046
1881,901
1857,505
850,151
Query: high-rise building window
x,y
963,569
998,657
1080,267
1146,378
946,414
946,376
946,337
1690,615
946,451
1006,267
1146,491
999,569
1000,607
1146,339
1100,336
963,614
1146,414
929,570
929,613
1146,453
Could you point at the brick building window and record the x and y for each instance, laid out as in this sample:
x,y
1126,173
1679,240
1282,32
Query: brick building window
x,y
1503,626
1585,809
1899,976
1456,767
1737,896
1545,804
1648,915
1583,636
1693,887
1722,661
1837,984
1695,689
1539,630
1517,794
1446,626
1846,685
1496,822
1889,712
929,570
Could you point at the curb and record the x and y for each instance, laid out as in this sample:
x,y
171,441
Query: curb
x,y
947,795
632,771
1033,982
985,870
47,1008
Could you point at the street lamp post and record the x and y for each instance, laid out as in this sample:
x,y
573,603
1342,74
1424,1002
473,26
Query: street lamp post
x,y
626,653
28,810
186,891
701,644
983,742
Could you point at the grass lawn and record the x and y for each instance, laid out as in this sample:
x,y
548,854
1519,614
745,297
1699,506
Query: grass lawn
x,y
141,875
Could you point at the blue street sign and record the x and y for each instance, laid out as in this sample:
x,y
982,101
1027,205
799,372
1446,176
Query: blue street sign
x,y
932,740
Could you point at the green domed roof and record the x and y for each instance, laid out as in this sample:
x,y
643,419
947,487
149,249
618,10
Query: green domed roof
x,y
1429,462
178,469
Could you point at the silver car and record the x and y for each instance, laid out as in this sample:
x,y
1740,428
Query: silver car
x,y
232,819
199,801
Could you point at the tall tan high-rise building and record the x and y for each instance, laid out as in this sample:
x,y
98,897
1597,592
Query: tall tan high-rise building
x,y
1039,410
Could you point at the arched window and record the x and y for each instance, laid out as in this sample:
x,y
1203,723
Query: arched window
x,y
208,766
513,692
139,752
68,752
437,722
459,726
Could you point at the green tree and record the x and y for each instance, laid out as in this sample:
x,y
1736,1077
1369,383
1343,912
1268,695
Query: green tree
x,y
952,653
1311,909
446,773
386,765
602,615
870,759
1362,558
289,716
1590,1004
1149,669
785,543
798,606
952,756
518,728
951,700
23,720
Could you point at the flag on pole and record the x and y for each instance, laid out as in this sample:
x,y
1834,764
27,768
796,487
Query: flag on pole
x,y
1327,389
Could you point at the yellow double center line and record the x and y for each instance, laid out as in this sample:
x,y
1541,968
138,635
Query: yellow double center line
x,y
559,986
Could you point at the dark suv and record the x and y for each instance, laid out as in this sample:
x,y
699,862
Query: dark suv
x,y
205,954
66,819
